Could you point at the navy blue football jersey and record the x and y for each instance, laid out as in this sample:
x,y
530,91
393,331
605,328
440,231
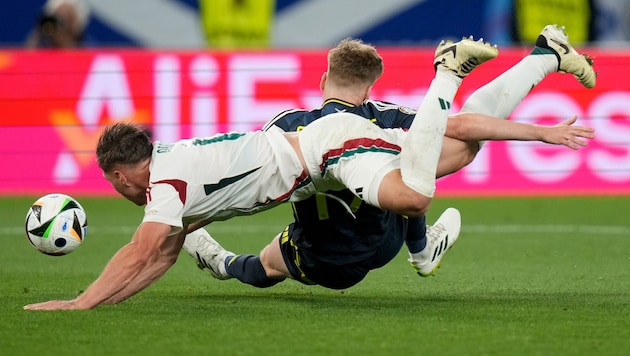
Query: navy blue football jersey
x,y
383,114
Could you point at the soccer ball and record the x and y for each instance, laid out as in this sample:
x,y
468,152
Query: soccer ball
x,y
56,224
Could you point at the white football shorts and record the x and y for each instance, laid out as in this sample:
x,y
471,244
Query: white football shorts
x,y
344,150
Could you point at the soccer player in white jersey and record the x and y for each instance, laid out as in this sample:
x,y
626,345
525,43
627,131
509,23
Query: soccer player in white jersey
x,y
275,167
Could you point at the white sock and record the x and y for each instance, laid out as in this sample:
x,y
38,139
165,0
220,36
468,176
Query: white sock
x,y
500,97
423,143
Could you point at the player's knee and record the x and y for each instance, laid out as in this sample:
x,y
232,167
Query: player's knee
x,y
268,261
399,197
415,205
411,204
264,260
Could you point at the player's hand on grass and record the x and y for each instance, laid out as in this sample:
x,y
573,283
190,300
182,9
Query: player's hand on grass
x,y
54,305
568,135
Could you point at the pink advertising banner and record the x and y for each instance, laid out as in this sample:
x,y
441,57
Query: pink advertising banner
x,y
54,104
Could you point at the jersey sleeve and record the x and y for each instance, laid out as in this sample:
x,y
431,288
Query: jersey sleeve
x,y
164,206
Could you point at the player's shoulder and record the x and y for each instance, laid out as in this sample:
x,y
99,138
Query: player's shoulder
x,y
291,119
386,114
384,106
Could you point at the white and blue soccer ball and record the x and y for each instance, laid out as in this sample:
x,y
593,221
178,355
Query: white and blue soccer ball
x,y
56,224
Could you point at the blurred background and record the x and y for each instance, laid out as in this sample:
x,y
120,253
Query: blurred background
x,y
322,23
190,68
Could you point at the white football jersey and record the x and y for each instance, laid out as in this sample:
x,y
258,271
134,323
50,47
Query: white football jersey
x,y
218,177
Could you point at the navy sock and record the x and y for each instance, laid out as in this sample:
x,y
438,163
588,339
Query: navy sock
x,y
416,238
248,269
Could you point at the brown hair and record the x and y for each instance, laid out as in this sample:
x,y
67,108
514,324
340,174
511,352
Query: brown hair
x,y
353,62
122,144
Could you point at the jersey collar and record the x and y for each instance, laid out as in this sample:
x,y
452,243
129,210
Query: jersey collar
x,y
332,106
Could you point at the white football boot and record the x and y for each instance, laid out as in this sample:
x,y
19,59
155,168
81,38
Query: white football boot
x,y
463,56
440,237
208,253
554,39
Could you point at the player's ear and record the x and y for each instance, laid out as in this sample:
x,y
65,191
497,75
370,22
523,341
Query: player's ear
x,y
120,176
322,81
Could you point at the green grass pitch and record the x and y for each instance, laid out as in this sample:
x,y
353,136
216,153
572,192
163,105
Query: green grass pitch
x,y
529,276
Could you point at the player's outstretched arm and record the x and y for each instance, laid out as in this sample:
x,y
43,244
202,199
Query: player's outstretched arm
x,y
137,265
477,127
465,130
152,271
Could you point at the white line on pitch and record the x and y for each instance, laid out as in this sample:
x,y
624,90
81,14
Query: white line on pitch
x,y
466,229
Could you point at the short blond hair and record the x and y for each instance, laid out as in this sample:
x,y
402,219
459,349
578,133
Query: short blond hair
x,y
353,63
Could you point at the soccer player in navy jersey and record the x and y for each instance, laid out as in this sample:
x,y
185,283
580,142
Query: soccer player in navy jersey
x,y
336,239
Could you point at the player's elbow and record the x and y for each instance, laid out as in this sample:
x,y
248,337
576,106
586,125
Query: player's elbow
x,y
456,127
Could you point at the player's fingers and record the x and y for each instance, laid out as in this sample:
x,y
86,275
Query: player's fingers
x,y
575,142
41,306
52,305
585,132
585,129
571,145
568,122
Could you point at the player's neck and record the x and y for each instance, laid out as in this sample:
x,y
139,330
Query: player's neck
x,y
347,96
